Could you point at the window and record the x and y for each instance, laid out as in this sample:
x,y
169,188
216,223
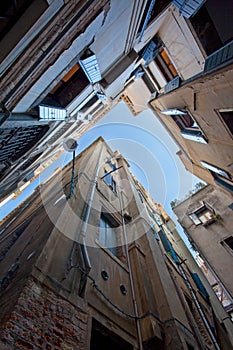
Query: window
x,y
50,113
189,128
187,125
216,170
69,87
204,215
224,183
227,116
165,65
107,233
141,196
230,206
149,82
158,65
146,76
228,244
108,179
90,66
104,339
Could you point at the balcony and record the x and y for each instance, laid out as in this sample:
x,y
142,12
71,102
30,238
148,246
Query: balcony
x,y
219,57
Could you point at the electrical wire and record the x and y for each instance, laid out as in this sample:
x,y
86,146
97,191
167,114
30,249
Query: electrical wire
x,y
94,285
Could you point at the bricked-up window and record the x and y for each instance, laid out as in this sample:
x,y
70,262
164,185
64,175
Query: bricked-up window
x,y
108,234
227,116
204,215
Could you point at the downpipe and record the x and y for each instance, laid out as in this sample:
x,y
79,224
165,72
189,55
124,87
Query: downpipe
x,y
205,321
85,220
138,328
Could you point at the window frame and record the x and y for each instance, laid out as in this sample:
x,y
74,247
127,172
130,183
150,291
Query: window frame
x,y
226,245
216,170
108,222
194,132
155,53
109,180
225,110
203,215
165,65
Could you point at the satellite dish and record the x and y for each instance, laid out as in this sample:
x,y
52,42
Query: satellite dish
x,y
70,145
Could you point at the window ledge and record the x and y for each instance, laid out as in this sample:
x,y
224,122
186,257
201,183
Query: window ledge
x,y
117,260
209,222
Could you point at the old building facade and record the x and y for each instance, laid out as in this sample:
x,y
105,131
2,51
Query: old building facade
x,y
184,71
206,218
86,263
63,63
198,116
73,61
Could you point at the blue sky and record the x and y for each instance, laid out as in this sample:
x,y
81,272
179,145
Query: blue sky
x,y
149,149
145,144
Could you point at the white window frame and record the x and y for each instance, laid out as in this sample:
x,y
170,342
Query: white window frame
x,y
200,215
215,169
193,133
52,113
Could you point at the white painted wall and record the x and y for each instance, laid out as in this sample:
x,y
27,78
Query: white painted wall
x,y
181,45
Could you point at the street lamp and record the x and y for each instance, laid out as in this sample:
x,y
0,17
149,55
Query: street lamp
x,y
70,145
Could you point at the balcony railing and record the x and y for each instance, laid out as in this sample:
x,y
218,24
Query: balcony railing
x,y
219,57
172,85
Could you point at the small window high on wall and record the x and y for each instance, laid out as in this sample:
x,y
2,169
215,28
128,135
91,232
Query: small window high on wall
x,y
108,234
68,88
227,117
108,179
228,244
216,170
165,65
190,130
204,215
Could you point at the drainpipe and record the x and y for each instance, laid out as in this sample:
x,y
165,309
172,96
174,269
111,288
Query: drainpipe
x,y
204,319
139,335
196,301
85,220
194,328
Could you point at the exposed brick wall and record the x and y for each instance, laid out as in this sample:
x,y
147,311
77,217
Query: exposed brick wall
x,y
43,320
